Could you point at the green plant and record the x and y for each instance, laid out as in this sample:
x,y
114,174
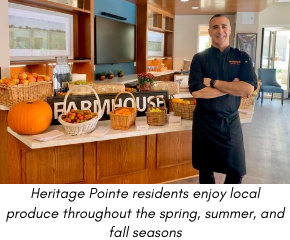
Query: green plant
x,y
144,78
102,74
120,72
110,73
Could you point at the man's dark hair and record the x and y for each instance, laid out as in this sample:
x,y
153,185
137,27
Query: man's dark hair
x,y
217,15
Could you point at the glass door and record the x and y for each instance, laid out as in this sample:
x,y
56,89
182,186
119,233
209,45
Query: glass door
x,y
275,54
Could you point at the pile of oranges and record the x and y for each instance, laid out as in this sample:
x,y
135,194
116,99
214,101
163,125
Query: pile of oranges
x,y
124,111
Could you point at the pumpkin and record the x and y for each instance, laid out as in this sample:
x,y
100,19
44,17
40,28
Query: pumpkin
x,y
30,117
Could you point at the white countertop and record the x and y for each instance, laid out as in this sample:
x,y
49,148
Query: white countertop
x,y
132,77
125,79
164,72
245,116
112,134
5,108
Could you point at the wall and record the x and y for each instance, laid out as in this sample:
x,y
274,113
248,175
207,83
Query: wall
x,y
249,28
186,36
4,39
120,8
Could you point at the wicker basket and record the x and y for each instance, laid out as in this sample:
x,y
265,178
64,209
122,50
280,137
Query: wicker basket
x,y
81,90
80,128
246,102
20,93
156,118
184,110
123,122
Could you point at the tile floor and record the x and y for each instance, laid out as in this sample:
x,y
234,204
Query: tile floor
x,y
267,145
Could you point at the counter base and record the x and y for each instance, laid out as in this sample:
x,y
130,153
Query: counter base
x,y
153,158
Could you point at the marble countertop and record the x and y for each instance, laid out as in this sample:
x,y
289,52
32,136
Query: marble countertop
x,y
132,77
164,72
246,116
112,134
125,79
5,108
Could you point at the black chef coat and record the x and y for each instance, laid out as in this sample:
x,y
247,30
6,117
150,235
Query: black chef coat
x,y
217,143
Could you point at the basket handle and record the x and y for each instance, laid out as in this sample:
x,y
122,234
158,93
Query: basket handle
x,y
135,104
100,114
154,98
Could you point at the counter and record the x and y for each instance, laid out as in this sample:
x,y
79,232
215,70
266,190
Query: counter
x,y
133,77
160,154
245,116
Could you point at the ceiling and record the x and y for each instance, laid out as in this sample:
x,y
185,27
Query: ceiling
x,y
207,7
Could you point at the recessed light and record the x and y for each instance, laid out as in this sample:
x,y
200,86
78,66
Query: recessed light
x,y
195,7
184,0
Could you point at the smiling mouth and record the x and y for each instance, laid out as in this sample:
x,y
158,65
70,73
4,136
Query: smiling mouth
x,y
220,36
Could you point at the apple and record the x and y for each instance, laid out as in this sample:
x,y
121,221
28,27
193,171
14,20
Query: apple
x,y
16,80
31,78
11,83
25,82
6,80
47,78
23,76
35,75
40,78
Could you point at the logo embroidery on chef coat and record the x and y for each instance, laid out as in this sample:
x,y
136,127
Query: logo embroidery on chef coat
x,y
232,62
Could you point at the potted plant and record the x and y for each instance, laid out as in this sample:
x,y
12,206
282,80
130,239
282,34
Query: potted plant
x,y
110,75
120,73
145,81
102,76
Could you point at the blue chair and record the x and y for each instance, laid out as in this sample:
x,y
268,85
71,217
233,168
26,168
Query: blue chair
x,y
269,83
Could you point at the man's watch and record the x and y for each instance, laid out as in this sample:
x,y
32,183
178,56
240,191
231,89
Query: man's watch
x,y
212,82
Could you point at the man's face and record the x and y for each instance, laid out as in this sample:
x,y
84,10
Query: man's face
x,y
220,31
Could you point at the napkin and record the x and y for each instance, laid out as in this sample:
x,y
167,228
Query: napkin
x,y
48,136
174,120
141,125
100,131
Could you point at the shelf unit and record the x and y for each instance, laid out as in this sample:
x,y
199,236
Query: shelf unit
x,y
83,37
157,21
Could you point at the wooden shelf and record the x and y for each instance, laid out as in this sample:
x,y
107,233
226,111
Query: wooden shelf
x,y
83,38
150,18
45,62
149,58
159,29
44,4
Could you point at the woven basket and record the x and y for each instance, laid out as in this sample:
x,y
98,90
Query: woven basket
x,y
81,90
20,93
123,122
257,91
246,102
80,128
156,118
184,110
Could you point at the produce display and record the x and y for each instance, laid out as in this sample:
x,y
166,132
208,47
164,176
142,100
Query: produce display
x,y
29,117
155,109
127,89
79,82
24,78
124,111
179,100
62,94
78,116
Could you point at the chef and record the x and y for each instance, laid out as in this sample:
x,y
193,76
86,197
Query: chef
x,y
219,76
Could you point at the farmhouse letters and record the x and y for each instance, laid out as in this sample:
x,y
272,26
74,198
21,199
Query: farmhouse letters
x,y
90,102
